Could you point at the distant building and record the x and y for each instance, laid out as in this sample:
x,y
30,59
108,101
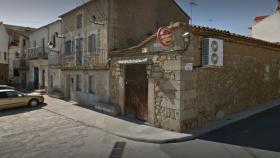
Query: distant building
x,y
17,54
38,54
267,27
4,67
54,58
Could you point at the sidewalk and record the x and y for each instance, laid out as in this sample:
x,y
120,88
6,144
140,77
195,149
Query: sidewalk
x,y
142,132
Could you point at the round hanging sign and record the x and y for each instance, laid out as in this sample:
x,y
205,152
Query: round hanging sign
x,y
164,36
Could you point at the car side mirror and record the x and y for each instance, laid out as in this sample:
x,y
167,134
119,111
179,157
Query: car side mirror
x,y
20,95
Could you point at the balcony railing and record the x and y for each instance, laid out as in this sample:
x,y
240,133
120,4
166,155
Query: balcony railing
x,y
21,63
55,59
38,53
98,58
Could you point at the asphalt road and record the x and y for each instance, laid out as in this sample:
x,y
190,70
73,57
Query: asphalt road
x,y
254,137
35,132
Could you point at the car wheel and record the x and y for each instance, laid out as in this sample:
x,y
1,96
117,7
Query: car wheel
x,y
33,102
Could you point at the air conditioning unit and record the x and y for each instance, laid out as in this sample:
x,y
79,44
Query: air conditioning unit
x,y
212,52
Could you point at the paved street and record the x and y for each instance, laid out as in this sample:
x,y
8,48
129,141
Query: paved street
x,y
36,132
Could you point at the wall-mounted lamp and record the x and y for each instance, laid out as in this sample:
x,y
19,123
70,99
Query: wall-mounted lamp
x,y
51,44
187,39
58,36
93,20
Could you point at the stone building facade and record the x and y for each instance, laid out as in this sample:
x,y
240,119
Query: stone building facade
x,y
181,92
4,65
97,27
18,49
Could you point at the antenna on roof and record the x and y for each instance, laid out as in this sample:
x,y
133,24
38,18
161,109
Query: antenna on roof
x,y
192,4
211,22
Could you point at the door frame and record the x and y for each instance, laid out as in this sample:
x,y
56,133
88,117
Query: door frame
x,y
68,87
146,111
43,79
36,77
121,91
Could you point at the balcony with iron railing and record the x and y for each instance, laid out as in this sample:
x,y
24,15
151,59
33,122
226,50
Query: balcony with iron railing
x,y
21,63
55,59
97,58
87,60
38,53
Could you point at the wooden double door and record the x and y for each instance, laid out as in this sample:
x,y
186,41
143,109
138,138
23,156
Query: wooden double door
x,y
136,91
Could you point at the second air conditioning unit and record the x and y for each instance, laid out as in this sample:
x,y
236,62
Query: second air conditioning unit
x,y
212,52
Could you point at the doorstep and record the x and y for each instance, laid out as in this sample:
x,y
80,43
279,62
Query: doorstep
x,y
107,108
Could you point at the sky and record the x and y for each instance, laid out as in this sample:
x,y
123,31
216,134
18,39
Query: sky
x,y
231,15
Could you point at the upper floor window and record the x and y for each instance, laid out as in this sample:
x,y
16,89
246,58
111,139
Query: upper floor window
x,y
68,47
16,72
5,55
79,20
23,42
54,40
78,83
43,44
92,43
16,54
91,84
34,44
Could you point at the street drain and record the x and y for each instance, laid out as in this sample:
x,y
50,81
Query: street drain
x,y
118,150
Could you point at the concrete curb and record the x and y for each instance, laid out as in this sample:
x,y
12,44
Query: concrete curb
x,y
189,135
220,123
211,126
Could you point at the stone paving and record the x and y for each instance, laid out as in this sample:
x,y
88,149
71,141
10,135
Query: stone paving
x,y
33,133
41,133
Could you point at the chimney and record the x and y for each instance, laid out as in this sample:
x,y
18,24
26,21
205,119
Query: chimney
x,y
278,6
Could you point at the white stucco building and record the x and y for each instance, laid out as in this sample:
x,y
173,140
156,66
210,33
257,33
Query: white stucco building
x,y
4,42
38,54
267,27
17,54
54,57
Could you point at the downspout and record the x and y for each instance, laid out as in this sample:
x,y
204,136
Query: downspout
x,y
108,34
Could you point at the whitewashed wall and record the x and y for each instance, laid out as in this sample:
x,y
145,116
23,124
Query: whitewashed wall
x,y
4,41
268,29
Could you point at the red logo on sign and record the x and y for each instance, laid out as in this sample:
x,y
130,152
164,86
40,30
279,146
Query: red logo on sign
x,y
164,36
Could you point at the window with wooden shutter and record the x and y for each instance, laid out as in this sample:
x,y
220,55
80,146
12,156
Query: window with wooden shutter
x,y
92,43
79,21
54,40
78,83
68,47
91,84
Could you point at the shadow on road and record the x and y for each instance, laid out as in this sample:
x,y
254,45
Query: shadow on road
x,y
261,131
18,110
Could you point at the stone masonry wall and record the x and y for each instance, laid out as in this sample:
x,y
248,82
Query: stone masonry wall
x,y
132,21
164,97
167,91
250,76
